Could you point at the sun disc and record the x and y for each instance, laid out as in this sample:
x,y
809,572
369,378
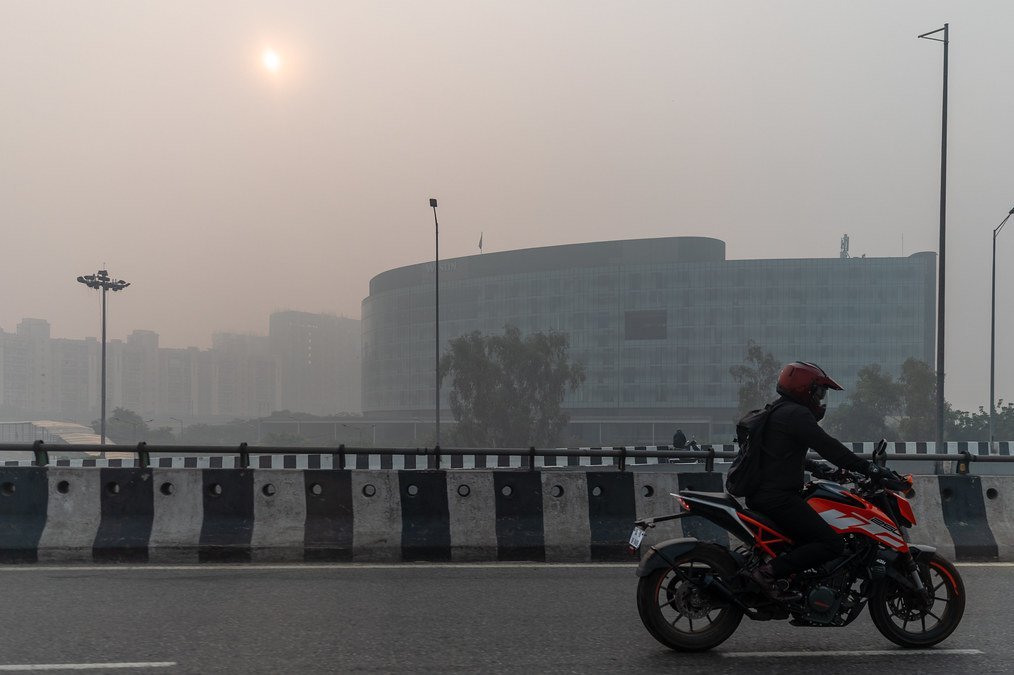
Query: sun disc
x,y
272,61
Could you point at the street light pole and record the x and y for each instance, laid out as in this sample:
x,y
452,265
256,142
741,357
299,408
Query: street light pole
x,y
176,419
992,340
942,255
101,281
436,277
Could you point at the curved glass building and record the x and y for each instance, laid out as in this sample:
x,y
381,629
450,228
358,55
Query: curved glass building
x,y
656,322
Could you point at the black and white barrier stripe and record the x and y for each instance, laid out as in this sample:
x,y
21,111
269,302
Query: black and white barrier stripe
x,y
360,461
367,461
54,514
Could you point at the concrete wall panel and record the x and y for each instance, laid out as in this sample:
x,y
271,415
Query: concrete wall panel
x,y
472,508
376,503
179,515
565,516
653,497
279,501
73,514
930,527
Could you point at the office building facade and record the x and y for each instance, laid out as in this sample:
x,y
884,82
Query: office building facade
x,y
657,324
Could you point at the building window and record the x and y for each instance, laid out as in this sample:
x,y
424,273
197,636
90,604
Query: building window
x,y
645,325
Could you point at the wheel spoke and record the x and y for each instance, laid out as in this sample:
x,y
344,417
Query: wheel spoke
x,y
939,620
904,626
691,620
923,617
938,585
678,617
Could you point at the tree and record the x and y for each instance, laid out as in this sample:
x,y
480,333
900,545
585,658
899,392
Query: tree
x,y
123,426
508,391
918,383
232,433
756,378
963,426
163,435
865,414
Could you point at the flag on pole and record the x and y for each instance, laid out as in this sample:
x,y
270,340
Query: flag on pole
x,y
480,242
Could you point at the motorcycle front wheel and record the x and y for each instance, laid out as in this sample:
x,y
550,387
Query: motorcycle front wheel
x,y
908,619
679,610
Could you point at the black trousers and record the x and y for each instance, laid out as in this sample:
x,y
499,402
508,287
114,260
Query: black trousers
x,y
815,541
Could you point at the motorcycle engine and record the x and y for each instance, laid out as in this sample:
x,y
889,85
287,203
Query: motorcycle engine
x,y
830,600
822,605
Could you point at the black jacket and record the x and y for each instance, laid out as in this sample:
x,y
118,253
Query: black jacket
x,y
790,431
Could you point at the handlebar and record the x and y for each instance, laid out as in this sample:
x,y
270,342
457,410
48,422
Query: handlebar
x,y
891,480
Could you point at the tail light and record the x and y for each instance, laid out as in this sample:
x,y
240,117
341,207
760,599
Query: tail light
x,y
683,504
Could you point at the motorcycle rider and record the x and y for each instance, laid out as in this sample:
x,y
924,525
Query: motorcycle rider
x,y
791,430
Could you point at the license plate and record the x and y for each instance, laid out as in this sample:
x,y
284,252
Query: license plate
x,y
635,538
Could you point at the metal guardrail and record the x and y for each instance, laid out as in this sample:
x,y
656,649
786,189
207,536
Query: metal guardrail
x,y
708,454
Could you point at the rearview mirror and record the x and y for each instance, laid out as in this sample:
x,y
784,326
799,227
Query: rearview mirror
x,y
880,453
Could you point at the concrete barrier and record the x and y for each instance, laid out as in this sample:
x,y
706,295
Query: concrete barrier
x,y
59,514
178,516
24,494
929,516
999,505
566,524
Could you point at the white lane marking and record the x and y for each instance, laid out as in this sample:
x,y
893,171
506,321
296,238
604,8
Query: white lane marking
x,y
232,567
875,652
10,668
211,567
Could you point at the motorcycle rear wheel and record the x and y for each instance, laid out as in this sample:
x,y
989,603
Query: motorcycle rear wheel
x,y
895,609
685,616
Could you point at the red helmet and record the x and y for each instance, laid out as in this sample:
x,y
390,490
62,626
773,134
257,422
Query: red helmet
x,y
807,384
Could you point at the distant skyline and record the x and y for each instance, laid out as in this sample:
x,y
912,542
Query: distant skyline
x,y
240,158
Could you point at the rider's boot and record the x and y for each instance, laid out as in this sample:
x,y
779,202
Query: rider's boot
x,y
764,577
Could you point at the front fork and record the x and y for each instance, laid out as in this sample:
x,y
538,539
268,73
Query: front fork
x,y
912,569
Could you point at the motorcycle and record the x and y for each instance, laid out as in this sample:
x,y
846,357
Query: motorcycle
x,y
692,595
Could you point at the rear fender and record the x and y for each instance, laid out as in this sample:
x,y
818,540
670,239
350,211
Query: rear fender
x,y
665,553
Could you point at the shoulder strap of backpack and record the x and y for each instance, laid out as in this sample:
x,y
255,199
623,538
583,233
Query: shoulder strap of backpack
x,y
762,426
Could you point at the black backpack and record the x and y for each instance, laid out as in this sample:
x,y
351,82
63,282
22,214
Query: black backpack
x,y
744,475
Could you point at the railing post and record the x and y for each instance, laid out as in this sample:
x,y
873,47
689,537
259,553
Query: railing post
x,y
244,456
623,458
41,456
531,458
340,456
709,461
143,458
963,465
436,456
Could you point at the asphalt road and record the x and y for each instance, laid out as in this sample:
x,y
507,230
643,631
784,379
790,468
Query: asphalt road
x,y
415,618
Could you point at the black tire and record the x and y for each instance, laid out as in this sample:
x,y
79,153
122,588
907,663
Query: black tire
x,y
894,609
682,615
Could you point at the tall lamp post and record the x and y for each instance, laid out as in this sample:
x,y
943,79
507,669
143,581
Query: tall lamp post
x,y
943,249
943,240
177,419
436,277
101,281
992,340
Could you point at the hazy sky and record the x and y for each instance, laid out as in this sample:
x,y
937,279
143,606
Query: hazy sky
x,y
149,137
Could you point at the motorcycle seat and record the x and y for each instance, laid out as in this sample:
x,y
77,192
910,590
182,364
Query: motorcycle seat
x,y
761,518
722,498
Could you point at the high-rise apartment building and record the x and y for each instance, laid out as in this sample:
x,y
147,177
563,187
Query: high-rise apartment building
x,y
309,364
319,362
